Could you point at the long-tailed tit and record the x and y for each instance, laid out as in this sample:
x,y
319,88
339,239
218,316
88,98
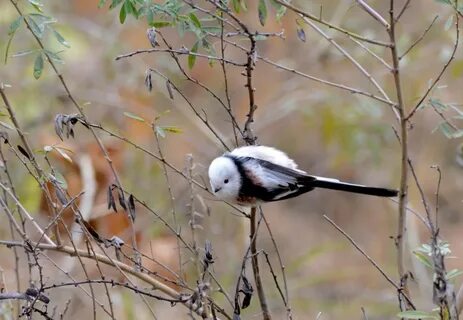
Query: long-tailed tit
x,y
255,174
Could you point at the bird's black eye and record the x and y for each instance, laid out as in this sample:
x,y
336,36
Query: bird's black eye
x,y
225,181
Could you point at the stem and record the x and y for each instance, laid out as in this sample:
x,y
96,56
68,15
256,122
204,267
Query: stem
x,y
404,159
255,266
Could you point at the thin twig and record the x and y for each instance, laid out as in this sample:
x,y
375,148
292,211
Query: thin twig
x,y
255,266
372,12
403,199
331,26
373,262
419,38
441,73
183,51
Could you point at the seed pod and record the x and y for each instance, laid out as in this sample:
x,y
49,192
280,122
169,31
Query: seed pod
x,y
151,33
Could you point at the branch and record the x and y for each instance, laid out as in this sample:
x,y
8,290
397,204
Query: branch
x,y
404,158
331,26
419,38
157,285
182,51
255,266
441,73
383,273
372,12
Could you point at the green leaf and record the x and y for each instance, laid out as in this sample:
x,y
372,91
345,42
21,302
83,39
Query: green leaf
x,y
53,56
130,8
160,24
41,19
36,29
211,29
236,5
448,131
61,180
436,103
6,125
243,5
15,25
262,11
280,13
101,3
195,20
60,39
192,57
133,116
38,66
23,53
114,3
444,1
171,129
122,14
448,23
453,274
35,3
415,314
424,259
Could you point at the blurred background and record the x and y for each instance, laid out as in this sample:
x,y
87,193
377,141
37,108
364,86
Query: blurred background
x,y
329,132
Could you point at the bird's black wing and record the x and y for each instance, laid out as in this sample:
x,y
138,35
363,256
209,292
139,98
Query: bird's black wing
x,y
272,181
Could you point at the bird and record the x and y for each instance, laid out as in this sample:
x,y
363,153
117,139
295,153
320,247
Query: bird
x,y
253,175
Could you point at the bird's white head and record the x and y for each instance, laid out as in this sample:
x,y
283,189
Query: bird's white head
x,y
225,179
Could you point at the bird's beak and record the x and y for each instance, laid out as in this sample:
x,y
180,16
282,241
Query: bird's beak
x,y
217,190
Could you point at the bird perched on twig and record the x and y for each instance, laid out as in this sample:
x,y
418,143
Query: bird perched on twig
x,y
252,175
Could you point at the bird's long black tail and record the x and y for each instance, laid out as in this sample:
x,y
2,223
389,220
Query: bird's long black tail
x,y
334,184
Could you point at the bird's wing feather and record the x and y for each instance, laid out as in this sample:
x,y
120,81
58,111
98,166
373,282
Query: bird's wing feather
x,y
280,182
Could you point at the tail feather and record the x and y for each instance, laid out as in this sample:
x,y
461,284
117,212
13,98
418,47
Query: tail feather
x,y
334,184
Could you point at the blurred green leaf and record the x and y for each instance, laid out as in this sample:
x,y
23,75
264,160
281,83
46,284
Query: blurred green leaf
x,y
423,258
160,24
61,39
195,20
415,314
133,116
171,129
453,274
122,14
114,3
38,66
11,32
23,53
436,103
36,29
448,23
101,3
192,57
449,131
15,25
280,13
54,56
262,12
444,1
35,3
131,9
60,179
236,5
